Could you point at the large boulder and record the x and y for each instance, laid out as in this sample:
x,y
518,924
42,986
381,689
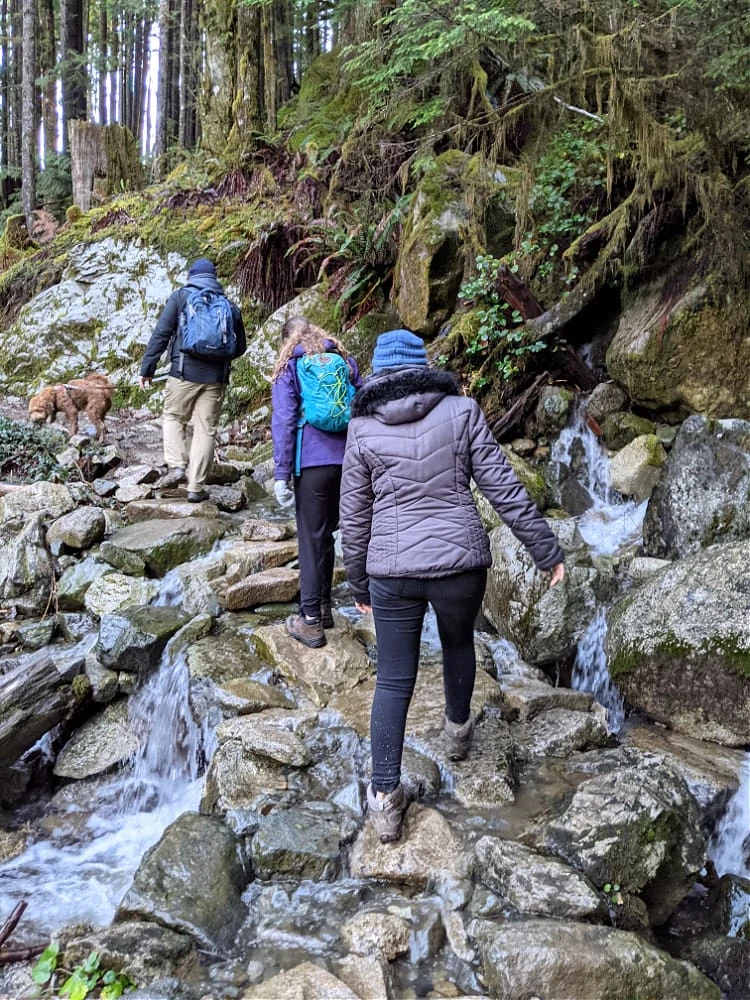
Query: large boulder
x,y
157,546
106,304
703,495
681,351
544,623
575,961
678,646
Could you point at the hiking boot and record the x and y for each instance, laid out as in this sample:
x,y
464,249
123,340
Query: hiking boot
x,y
173,477
326,616
387,814
197,496
457,738
308,633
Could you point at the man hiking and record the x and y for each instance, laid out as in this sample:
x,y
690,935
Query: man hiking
x,y
203,333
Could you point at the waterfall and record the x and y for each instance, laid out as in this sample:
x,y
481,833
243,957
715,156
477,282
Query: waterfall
x,y
86,864
730,844
611,523
590,672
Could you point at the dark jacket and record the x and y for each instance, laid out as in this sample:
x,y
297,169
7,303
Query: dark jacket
x,y
165,336
414,444
317,447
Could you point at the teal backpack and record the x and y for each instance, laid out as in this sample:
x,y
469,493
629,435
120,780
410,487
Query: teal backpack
x,y
326,393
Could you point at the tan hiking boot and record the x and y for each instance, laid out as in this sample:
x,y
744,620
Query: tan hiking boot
x,y
457,738
387,815
308,633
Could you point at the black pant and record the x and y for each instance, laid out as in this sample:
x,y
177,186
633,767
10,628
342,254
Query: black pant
x,y
316,492
399,605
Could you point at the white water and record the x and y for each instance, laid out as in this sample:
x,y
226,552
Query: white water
x,y
82,871
611,523
590,672
730,845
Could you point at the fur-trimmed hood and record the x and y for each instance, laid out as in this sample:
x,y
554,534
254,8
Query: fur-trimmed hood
x,y
404,394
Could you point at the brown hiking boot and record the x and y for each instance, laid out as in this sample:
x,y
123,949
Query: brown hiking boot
x,y
308,633
457,738
326,616
387,815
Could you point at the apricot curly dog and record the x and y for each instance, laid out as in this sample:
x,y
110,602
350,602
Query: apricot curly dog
x,y
92,395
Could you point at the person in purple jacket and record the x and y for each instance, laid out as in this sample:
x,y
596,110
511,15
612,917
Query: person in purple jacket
x,y
313,462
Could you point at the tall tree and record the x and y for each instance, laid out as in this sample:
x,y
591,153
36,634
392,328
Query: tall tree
x,y
28,113
47,62
72,64
188,74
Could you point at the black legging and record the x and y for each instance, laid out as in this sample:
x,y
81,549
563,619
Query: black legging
x,y
316,493
399,605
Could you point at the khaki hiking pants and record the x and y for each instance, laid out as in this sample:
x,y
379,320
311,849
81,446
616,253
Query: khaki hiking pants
x,y
201,403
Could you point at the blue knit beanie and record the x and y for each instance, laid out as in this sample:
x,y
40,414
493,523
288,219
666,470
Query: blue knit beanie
x,y
398,348
202,266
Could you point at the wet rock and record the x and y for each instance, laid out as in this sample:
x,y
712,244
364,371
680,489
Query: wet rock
x,y
131,492
559,733
642,567
269,586
170,884
102,742
269,734
236,778
712,773
74,626
366,976
678,646
226,656
635,470
300,983
49,500
112,592
553,409
26,570
554,958
133,639
703,496
301,842
339,665
35,635
145,951
159,545
227,498
104,487
256,530
427,850
420,775
725,960
80,529
12,843
619,429
633,822
139,510
243,696
103,682
525,698
246,558
533,884
606,398
76,580
544,623
223,473
383,935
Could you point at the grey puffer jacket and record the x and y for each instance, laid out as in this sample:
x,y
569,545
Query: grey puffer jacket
x,y
413,446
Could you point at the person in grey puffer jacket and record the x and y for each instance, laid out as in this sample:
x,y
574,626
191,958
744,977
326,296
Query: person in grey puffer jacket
x,y
412,535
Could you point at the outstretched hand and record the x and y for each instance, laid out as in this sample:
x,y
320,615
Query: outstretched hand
x,y
557,574
364,609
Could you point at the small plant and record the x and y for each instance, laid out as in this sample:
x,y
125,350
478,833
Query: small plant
x,y
612,891
87,980
500,327
27,453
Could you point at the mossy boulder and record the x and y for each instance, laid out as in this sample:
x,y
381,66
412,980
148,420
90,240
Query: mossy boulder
x,y
690,354
678,646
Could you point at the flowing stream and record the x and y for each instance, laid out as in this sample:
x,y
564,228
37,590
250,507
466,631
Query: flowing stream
x,y
95,843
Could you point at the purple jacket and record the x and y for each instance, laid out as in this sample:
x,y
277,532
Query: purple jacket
x,y
318,447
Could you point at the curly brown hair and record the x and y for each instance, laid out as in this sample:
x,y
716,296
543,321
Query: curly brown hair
x,y
315,340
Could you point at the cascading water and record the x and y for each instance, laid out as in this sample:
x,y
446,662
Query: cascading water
x,y
730,845
590,672
81,872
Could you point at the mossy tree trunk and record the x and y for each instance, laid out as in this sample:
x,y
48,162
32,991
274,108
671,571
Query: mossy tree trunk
x,y
104,159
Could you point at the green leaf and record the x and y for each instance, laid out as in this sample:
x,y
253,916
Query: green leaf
x,y
607,887
45,964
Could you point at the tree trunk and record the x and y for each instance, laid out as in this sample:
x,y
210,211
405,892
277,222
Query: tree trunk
x,y
28,115
162,93
104,159
4,104
47,61
189,70
102,67
72,64
114,72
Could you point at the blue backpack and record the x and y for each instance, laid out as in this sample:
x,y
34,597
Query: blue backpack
x,y
326,390
207,325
